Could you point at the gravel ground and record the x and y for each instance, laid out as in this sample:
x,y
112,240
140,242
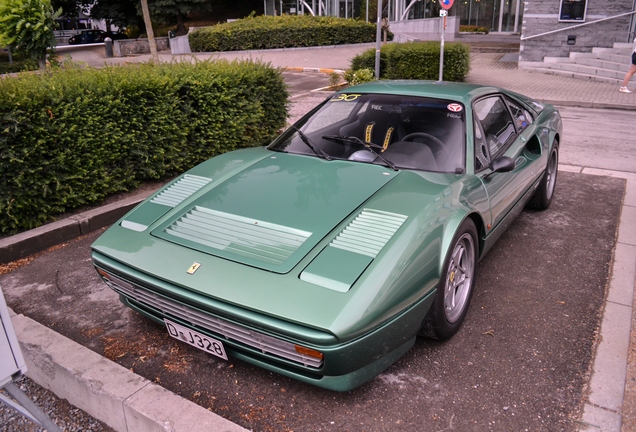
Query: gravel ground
x,y
66,416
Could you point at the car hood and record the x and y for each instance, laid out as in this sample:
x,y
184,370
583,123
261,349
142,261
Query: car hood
x,y
272,213
318,203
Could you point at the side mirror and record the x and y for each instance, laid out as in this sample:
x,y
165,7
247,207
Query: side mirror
x,y
501,164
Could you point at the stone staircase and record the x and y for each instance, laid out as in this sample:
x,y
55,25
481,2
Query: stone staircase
x,y
602,64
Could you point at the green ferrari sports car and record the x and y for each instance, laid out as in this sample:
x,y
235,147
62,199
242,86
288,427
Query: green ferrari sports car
x,y
324,255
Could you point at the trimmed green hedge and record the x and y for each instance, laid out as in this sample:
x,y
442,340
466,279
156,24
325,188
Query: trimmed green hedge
x,y
71,137
417,60
19,64
267,32
473,29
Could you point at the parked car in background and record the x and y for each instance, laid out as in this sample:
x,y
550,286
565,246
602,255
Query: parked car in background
x,y
116,35
87,36
323,256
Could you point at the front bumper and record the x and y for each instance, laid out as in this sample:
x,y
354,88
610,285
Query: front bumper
x,y
266,341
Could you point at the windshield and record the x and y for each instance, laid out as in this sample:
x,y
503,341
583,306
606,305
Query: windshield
x,y
403,132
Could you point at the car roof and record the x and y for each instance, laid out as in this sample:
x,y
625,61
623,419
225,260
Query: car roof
x,y
463,92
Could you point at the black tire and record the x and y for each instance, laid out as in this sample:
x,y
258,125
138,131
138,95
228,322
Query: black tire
x,y
455,288
542,197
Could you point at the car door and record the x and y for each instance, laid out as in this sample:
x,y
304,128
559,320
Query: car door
x,y
496,134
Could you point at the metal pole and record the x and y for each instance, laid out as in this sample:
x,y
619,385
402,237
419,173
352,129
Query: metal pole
x,y
632,25
31,407
501,9
517,17
378,41
10,58
508,17
441,46
367,2
477,16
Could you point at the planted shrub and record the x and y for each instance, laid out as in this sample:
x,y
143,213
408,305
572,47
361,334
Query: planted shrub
x,y
19,64
417,60
359,76
473,29
266,32
71,137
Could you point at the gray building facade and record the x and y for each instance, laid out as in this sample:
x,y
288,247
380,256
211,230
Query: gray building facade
x,y
542,16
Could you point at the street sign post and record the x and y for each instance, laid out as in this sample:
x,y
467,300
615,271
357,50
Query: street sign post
x,y
445,4
378,43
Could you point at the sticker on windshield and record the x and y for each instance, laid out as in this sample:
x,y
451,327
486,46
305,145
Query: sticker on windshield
x,y
345,97
454,107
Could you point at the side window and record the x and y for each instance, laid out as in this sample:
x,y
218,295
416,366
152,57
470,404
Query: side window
x,y
522,118
482,160
496,124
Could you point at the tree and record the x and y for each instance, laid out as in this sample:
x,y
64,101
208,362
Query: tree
x,y
176,10
27,25
119,13
151,36
70,8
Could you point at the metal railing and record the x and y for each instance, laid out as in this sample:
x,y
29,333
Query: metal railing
x,y
629,36
632,25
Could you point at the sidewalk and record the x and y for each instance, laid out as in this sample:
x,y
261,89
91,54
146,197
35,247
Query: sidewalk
x,y
611,401
485,69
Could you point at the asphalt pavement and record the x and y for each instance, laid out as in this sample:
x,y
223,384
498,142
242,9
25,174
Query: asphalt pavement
x,y
550,370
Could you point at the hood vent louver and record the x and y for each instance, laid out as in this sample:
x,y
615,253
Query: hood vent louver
x,y
258,240
369,232
180,190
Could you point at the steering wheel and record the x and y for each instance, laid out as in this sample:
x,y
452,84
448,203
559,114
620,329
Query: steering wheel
x,y
438,143
435,144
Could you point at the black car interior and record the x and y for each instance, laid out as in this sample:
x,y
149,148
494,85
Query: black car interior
x,y
411,132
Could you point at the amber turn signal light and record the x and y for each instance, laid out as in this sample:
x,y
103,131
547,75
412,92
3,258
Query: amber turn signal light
x,y
309,352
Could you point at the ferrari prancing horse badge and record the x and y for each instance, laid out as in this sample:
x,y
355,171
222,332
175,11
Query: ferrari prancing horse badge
x,y
194,267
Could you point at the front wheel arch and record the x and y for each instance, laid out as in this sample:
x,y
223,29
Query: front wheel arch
x,y
455,286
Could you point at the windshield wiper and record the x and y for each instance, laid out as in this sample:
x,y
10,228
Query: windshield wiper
x,y
319,152
368,146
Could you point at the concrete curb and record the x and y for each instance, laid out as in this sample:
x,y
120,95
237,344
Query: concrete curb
x,y
107,391
308,69
38,239
598,105
603,408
